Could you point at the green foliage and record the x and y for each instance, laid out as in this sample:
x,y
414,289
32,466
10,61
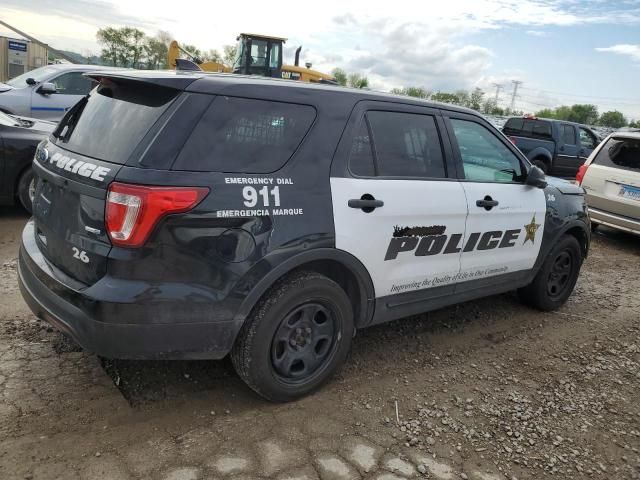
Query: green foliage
x,y
229,54
417,92
340,76
476,99
130,47
613,119
355,80
634,124
585,113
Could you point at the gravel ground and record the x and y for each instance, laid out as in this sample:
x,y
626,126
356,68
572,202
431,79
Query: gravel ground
x,y
485,390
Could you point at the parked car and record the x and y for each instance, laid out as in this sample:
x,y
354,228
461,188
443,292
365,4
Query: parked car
x,y
611,178
19,137
556,147
46,92
188,215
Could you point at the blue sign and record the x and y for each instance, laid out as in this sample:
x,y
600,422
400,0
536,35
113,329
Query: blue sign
x,y
19,46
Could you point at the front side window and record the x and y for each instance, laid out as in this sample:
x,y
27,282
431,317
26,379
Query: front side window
x,y
73,83
39,75
568,134
484,157
587,139
245,136
406,145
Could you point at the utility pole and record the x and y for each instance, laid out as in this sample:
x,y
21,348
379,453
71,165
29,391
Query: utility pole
x,y
35,40
498,88
516,84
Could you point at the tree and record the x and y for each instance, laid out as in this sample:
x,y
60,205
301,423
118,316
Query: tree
x,y
635,124
229,54
212,55
355,80
613,119
546,113
475,99
417,92
444,97
115,45
156,53
586,113
135,44
340,76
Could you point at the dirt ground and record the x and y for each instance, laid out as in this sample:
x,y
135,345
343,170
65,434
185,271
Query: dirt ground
x,y
485,390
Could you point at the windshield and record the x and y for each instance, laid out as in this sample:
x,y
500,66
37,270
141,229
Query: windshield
x,y
8,121
39,74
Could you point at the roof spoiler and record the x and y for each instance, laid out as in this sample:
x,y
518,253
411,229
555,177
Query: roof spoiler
x,y
184,65
150,77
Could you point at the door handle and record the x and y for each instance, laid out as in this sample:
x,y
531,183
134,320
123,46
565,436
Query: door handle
x,y
367,203
487,203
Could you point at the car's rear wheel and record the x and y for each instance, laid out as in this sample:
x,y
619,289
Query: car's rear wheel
x,y
26,189
296,337
541,164
557,277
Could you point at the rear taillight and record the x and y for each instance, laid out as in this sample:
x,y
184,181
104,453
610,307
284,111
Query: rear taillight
x,y
134,210
581,173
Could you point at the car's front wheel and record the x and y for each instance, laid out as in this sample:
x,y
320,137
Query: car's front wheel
x,y
558,275
296,337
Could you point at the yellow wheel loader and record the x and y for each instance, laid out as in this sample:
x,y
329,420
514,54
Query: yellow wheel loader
x,y
255,55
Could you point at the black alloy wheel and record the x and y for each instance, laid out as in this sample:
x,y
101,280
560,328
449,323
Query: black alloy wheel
x,y
304,341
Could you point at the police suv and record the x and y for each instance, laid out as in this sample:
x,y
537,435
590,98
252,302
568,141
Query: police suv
x,y
191,215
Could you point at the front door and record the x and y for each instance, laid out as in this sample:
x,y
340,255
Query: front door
x,y
397,209
70,86
506,217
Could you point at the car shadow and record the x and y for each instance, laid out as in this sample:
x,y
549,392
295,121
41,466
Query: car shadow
x,y
628,242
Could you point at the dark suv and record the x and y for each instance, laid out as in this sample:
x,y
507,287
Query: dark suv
x,y
197,215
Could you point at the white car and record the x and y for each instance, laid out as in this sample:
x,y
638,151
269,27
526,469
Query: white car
x,y
611,178
47,92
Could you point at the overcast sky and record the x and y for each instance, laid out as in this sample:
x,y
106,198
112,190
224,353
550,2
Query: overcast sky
x,y
564,51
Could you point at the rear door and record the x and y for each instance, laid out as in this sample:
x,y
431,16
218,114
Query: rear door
x,y
612,180
397,209
74,170
506,217
566,163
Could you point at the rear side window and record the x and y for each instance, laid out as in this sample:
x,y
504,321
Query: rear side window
x,y
242,135
623,153
111,121
526,127
406,145
361,160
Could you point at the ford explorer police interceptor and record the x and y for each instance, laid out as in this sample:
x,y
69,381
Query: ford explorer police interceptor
x,y
191,215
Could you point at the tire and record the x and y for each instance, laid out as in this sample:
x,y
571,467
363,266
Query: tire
x,y
301,314
557,277
541,164
26,190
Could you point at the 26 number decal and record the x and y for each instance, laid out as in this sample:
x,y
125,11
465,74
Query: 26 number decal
x,y
251,196
80,255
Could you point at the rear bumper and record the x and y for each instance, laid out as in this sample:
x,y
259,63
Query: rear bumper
x,y
612,220
69,310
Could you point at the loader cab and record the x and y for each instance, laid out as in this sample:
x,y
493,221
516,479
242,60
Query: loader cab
x,y
259,55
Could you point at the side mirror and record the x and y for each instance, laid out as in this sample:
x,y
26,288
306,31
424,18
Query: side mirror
x,y
30,81
47,88
536,178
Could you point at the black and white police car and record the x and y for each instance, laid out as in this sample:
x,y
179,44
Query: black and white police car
x,y
195,215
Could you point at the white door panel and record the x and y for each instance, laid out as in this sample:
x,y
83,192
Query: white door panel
x,y
409,243
508,236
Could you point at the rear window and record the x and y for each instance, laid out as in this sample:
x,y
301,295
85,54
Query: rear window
x,y
623,153
526,127
109,123
245,136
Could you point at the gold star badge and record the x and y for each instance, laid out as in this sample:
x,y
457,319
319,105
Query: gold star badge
x,y
531,230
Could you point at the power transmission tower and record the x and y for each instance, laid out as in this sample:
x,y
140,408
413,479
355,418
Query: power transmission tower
x,y
498,88
516,84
